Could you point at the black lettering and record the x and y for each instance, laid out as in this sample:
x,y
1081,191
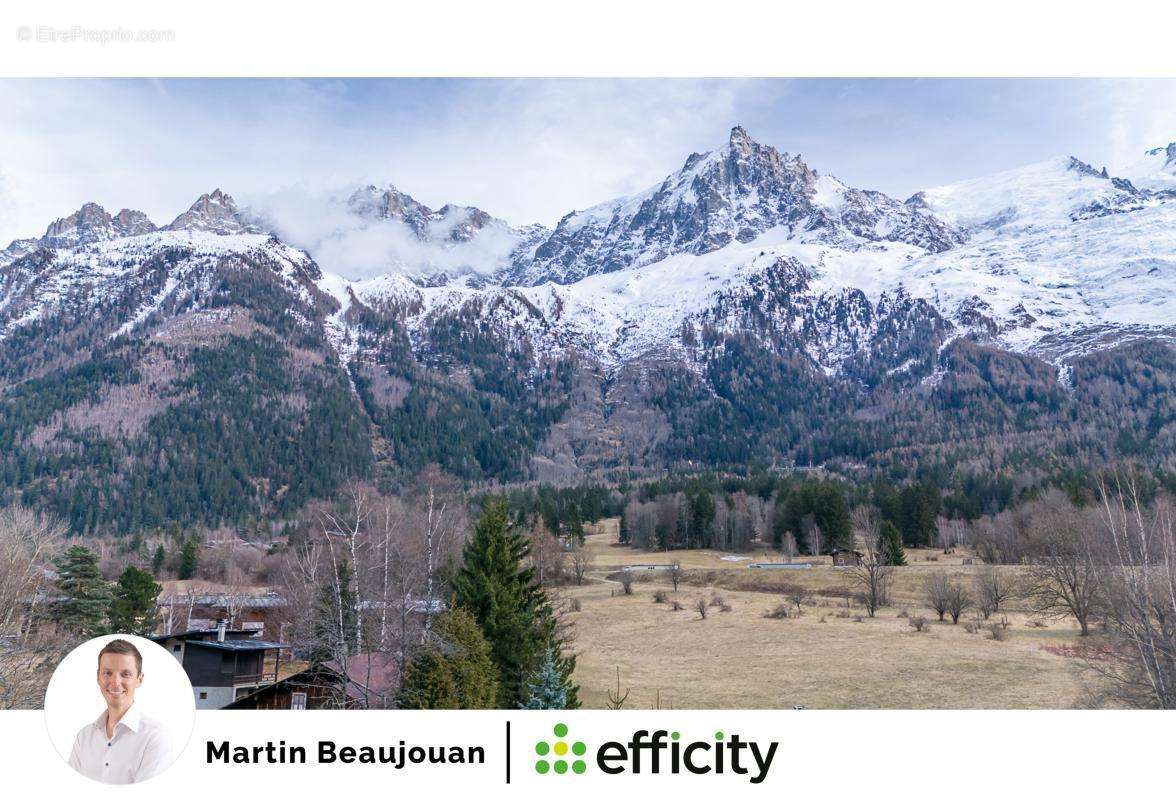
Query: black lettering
x,y
217,752
690,767
610,751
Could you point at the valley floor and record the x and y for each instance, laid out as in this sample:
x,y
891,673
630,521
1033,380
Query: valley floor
x,y
823,659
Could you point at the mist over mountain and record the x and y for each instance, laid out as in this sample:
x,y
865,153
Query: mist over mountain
x,y
241,361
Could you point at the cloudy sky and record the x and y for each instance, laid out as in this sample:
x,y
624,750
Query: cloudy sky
x,y
530,150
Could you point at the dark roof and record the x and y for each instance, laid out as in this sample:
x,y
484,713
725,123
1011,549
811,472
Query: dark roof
x,y
201,633
222,599
241,644
371,679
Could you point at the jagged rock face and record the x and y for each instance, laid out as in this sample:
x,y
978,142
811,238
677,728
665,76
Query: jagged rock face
x,y
132,223
450,222
391,203
1169,154
91,223
721,197
213,213
747,307
88,224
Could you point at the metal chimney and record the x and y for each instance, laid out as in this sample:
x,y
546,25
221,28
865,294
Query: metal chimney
x,y
221,625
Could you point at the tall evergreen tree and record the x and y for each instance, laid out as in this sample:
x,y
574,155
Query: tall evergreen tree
x,y
189,559
573,522
891,545
825,504
86,605
132,609
157,560
548,687
455,671
919,506
702,516
501,592
334,617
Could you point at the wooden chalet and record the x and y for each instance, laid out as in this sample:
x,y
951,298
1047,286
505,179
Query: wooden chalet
x,y
223,664
370,680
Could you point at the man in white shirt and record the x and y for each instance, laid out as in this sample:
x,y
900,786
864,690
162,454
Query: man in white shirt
x,y
122,745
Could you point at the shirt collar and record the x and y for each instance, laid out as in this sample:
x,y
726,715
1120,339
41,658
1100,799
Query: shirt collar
x,y
132,719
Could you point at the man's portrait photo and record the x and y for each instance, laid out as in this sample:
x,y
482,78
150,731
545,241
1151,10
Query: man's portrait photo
x,y
137,708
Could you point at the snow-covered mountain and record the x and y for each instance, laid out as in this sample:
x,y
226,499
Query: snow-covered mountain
x,y
730,195
380,229
746,306
1027,257
1156,171
1056,258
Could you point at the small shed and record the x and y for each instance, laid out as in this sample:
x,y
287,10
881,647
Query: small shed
x,y
846,558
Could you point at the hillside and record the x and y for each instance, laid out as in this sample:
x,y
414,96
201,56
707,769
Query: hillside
x,y
747,308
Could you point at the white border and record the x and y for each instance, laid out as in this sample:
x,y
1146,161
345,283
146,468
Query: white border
x,y
601,38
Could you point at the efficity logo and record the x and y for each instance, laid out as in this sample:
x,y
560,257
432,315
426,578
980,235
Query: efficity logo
x,y
657,752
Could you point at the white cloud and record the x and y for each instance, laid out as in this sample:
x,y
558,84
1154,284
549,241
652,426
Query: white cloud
x,y
356,247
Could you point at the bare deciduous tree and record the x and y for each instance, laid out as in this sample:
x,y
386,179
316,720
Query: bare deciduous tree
x,y
1138,667
1064,578
547,555
994,588
625,578
798,596
958,599
937,590
28,652
28,541
870,575
581,562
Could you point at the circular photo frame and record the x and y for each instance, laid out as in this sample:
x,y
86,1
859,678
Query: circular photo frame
x,y
119,709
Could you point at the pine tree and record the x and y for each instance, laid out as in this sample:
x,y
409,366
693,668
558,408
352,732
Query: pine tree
x,y
919,506
157,560
86,605
455,671
334,618
509,605
132,609
548,687
189,559
573,523
891,545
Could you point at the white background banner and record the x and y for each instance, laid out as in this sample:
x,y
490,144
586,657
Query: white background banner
x,y
920,754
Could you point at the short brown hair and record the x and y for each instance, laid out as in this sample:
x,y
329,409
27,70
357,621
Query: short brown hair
x,y
123,648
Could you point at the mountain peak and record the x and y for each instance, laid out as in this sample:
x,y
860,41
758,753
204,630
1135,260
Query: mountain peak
x,y
130,222
215,212
1168,151
90,223
740,138
388,202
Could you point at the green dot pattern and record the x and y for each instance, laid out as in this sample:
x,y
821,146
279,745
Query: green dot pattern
x,y
560,766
